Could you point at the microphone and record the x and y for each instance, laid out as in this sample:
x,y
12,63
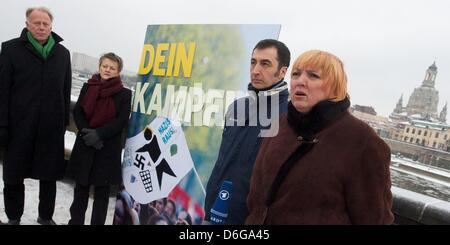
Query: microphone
x,y
219,211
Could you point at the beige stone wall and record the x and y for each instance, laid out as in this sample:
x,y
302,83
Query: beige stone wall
x,y
428,137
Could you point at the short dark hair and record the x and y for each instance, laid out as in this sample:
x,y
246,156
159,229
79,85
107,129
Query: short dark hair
x,y
114,57
283,53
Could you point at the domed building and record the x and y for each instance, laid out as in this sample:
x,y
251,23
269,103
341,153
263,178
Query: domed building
x,y
419,122
423,102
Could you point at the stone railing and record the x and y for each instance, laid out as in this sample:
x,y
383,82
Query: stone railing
x,y
411,208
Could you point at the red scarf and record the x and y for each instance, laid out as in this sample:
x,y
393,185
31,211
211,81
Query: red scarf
x,y
98,103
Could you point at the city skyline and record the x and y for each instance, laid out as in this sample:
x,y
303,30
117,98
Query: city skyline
x,y
88,63
386,46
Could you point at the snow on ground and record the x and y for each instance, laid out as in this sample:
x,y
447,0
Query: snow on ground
x,y
64,197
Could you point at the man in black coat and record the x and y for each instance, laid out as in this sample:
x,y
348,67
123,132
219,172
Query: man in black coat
x,y
35,83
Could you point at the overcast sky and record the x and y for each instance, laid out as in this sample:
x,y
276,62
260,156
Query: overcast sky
x,y
385,45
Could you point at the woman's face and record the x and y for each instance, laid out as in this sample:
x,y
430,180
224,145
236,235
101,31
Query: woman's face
x,y
109,69
159,205
170,209
307,88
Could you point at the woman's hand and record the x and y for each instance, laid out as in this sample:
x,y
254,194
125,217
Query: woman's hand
x,y
90,136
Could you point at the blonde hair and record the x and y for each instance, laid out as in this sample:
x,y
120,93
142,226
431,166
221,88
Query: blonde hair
x,y
42,9
332,71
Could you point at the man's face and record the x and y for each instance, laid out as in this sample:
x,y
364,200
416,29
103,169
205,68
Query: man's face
x,y
264,68
40,25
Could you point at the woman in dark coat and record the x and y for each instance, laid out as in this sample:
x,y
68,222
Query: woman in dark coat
x,y
324,166
101,114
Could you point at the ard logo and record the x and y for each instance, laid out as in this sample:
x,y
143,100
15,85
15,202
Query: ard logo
x,y
224,195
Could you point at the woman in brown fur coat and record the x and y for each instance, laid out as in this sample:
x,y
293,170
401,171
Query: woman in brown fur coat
x,y
324,166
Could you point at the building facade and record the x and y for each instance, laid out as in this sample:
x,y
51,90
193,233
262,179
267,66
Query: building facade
x,y
84,63
380,124
433,135
419,122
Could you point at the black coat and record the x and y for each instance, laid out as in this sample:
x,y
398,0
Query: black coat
x,y
34,107
88,166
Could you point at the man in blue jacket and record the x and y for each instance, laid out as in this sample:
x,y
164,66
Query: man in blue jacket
x,y
247,121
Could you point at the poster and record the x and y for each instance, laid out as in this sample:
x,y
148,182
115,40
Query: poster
x,y
188,76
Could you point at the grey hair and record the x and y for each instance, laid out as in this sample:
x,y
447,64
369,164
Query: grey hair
x,y
43,9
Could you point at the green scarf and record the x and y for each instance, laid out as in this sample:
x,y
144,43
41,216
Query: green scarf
x,y
43,50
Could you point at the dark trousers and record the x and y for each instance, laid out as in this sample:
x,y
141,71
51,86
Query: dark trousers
x,y
14,198
80,203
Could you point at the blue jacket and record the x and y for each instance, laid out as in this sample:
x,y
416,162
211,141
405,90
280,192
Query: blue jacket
x,y
239,148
